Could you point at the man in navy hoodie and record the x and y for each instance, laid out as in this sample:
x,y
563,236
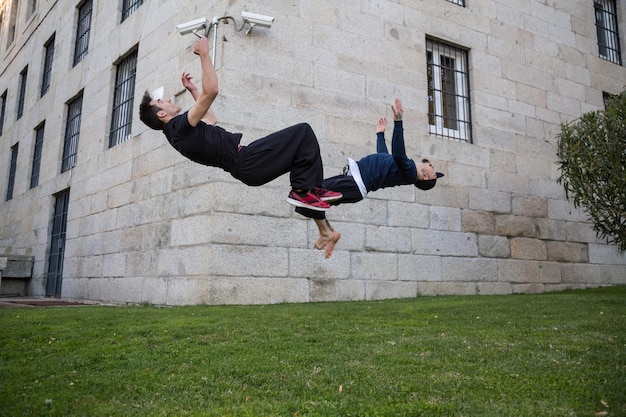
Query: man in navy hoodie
x,y
373,172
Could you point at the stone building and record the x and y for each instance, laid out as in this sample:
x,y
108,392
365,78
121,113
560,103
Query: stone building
x,y
110,212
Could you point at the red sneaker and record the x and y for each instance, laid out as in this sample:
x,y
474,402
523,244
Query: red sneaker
x,y
327,195
307,200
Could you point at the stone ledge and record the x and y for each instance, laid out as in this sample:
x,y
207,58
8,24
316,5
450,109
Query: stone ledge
x,y
16,266
15,272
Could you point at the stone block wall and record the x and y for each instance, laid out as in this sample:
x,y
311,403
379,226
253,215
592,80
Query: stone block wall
x,y
146,225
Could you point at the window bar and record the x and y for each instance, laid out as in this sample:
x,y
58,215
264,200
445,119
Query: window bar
x,y
72,131
82,33
448,91
129,7
22,97
121,119
607,31
47,68
12,170
34,176
3,106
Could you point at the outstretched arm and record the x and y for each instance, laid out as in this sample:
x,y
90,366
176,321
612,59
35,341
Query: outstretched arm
x,y
381,146
186,78
397,140
405,165
209,89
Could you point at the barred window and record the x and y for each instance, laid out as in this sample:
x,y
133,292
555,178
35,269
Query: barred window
x,y
72,130
3,106
82,31
122,115
22,96
129,6
47,66
12,170
34,174
459,2
606,31
448,91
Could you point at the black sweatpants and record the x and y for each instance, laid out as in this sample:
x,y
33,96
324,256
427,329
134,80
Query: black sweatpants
x,y
343,184
294,150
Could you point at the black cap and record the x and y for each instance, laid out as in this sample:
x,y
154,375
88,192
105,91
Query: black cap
x,y
427,184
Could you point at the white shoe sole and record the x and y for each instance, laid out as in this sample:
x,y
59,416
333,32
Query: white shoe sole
x,y
301,204
331,199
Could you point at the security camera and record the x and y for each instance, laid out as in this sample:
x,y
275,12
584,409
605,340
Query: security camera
x,y
257,19
193,26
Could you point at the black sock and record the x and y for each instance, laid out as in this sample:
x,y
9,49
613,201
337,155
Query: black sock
x,y
301,193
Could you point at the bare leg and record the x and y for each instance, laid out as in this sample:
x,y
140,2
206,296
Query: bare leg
x,y
328,237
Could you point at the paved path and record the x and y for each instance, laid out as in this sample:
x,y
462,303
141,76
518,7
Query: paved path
x,y
12,302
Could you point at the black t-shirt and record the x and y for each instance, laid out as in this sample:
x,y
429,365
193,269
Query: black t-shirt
x,y
204,144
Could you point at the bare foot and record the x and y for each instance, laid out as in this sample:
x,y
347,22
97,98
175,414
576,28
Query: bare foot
x,y
328,243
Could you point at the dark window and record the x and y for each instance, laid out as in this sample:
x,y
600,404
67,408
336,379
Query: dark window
x,y
3,106
82,31
47,66
32,6
12,23
448,91
22,95
606,31
129,6
605,98
34,175
72,130
122,115
12,170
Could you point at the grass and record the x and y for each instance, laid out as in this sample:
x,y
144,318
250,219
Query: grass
x,y
558,354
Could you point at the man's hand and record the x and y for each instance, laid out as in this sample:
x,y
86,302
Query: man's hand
x,y
201,46
397,110
187,83
381,125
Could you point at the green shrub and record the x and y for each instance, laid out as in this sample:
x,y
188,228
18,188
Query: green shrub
x,y
592,160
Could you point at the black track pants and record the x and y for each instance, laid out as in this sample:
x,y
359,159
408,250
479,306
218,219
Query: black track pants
x,y
294,150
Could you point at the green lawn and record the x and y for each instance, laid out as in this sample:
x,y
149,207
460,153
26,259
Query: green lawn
x,y
558,354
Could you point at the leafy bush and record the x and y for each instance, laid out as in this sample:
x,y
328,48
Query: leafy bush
x,y
592,160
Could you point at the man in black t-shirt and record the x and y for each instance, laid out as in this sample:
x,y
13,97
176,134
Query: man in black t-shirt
x,y
195,135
